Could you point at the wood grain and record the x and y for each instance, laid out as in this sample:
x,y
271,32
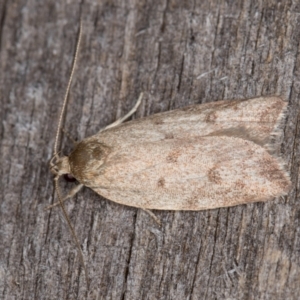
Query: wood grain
x,y
178,53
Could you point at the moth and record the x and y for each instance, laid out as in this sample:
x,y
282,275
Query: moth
x,y
198,157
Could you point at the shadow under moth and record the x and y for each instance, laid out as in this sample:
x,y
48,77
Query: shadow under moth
x,y
199,157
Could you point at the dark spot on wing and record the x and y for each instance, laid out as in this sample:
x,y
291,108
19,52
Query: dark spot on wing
x,y
211,117
192,202
158,121
161,182
214,176
239,184
169,136
173,156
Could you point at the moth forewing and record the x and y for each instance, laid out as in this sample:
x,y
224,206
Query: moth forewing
x,y
254,119
199,157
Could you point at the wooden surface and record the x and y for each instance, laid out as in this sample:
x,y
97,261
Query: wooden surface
x,y
177,53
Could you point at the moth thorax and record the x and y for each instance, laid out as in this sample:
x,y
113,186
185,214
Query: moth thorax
x,y
87,159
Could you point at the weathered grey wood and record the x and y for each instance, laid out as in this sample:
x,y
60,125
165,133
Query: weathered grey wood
x,y
177,53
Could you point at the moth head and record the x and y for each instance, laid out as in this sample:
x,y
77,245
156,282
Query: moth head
x,y
59,165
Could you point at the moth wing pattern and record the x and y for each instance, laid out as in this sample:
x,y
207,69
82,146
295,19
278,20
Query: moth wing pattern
x,y
200,157
256,119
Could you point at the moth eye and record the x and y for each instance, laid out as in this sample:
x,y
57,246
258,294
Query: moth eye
x,y
69,178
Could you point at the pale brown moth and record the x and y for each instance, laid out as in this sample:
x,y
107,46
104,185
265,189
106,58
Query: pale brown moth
x,y
199,157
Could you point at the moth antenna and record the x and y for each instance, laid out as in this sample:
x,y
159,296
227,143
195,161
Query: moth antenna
x,y
56,153
71,229
67,90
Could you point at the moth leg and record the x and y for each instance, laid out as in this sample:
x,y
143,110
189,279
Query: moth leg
x,y
129,114
72,193
149,212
